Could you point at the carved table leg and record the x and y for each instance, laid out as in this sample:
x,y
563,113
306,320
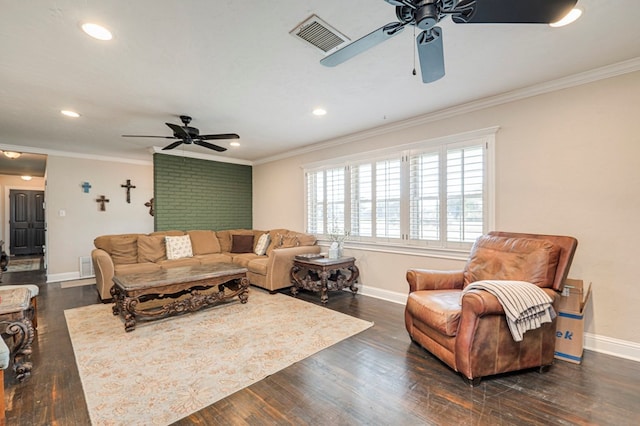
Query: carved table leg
x,y
324,278
355,273
294,280
129,309
22,332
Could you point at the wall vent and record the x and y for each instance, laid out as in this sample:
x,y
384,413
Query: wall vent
x,y
86,267
319,34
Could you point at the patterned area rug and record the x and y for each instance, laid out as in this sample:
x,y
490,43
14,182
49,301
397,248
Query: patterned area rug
x,y
78,283
20,265
165,370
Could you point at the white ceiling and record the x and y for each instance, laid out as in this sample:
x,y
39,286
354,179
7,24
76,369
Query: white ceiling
x,y
234,67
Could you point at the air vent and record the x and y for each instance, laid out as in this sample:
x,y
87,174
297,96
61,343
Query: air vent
x,y
86,267
319,34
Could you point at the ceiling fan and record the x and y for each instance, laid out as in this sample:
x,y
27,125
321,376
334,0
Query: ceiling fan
x,y
425,14
189,135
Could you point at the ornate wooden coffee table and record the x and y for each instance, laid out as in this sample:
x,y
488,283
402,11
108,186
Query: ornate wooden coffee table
x,y
131,291
324,274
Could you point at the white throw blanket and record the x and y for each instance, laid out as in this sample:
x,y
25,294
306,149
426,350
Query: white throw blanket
x,y
526,306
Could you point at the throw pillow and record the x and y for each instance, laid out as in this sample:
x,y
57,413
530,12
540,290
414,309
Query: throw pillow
x,y
178,247
241,243
263,243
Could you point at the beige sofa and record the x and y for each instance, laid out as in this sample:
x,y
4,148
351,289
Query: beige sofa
x,y
133,253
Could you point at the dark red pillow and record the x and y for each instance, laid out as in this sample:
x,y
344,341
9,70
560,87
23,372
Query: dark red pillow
x,y
242,244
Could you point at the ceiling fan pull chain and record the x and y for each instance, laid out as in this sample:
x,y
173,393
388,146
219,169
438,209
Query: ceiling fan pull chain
x,y
413,51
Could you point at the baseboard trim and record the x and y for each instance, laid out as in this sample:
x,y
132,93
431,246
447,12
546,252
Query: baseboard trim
x,y
593,342
66,276
611,346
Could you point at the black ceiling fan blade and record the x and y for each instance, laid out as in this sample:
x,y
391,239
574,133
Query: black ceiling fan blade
x,y
511,11
209,145
179,131
220,136
173,145
431,54
143,136
367,42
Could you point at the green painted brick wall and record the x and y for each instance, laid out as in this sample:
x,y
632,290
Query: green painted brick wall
x,y
191,193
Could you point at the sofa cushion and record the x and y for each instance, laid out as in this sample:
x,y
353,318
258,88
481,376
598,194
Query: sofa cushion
x,y
151,248
136,268
508,258
243,259
262,244
207,259
241,243
439,309
178,247
282,238
204,242
258,265
124,249
185,261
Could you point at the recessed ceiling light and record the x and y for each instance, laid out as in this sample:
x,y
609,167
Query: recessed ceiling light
x,y
26,177
69,113
319,112
97,31
234,143
12,154
568,19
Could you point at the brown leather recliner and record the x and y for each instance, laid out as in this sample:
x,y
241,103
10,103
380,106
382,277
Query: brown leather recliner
x,y
472,336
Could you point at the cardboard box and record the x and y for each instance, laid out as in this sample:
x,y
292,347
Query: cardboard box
x,y
570,323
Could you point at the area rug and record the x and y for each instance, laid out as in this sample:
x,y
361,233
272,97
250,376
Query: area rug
x,y
165,370
78,283
20,265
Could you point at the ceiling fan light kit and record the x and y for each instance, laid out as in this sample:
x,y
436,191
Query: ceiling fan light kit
x,y
188,135
425,14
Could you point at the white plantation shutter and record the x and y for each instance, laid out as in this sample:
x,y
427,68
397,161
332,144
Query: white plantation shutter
x,y
326,201
335,191
362,200
432,196
424,196
387,201
315,202
465,191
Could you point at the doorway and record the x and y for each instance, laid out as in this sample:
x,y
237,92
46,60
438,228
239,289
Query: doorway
x,y
26,222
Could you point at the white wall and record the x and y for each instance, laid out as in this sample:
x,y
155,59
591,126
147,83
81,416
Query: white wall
x,y
567,162
71,236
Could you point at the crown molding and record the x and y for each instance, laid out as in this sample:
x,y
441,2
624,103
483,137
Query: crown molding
x,y
620,68
200,156
56,153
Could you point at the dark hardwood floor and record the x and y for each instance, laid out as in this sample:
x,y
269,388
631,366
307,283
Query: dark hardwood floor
x,y
377,377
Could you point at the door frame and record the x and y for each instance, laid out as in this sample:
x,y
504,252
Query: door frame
x,y
7,212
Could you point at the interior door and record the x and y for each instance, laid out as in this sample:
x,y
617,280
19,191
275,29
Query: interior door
x,y
26,224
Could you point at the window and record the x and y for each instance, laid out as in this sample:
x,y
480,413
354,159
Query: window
x,y
431,195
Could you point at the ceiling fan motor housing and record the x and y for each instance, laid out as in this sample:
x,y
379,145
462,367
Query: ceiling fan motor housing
x,y
427,13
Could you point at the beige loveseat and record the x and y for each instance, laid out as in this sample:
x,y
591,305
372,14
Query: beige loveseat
x,y
133,253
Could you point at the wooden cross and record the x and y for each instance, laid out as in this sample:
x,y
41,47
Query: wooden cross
x,y
102,200
150,205
128,186
86,186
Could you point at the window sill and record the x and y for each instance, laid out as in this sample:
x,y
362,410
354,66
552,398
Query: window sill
x,y
440,253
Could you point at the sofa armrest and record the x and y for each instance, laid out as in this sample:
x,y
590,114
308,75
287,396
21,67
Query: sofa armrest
x,y
426,279
104,269
281,262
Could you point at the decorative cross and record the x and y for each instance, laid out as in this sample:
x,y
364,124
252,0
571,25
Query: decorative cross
x,y
102,200
128,186
150,205
86,186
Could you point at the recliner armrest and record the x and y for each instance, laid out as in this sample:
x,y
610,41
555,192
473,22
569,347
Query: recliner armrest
x,y
427,279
